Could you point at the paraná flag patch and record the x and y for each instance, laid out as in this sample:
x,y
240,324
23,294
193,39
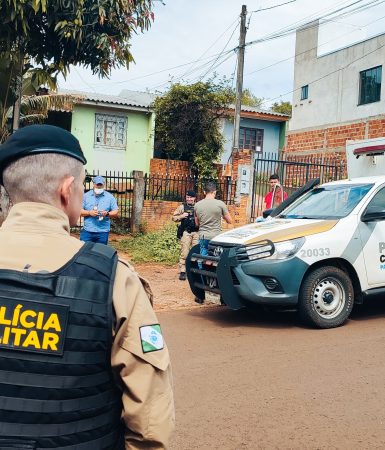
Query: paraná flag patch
x,y
151,338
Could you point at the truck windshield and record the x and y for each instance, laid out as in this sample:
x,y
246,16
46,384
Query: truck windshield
x,y
327,202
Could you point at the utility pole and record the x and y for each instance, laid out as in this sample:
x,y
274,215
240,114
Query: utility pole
x,y
239,87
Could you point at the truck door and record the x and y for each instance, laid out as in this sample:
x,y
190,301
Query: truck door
x,y
372,235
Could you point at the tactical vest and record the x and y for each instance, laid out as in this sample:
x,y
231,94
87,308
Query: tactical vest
x,y
188,223
56,384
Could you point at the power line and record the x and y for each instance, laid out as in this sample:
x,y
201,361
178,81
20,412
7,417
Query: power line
x,y
286,31
311,17
292,29
85,82
325,76
224,48
210,58
224,58
272,7
212,45
213,63
278,34
314,48
199,78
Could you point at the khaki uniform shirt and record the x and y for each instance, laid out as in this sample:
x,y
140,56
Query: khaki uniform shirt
x,y
178,213
37,234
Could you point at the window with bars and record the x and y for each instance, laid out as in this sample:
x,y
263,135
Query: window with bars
x,y
110,131
251,139
304,92
370,85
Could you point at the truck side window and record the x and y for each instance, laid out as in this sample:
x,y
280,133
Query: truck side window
x,y
377,203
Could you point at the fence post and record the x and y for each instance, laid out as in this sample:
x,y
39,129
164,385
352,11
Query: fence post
x,y
137,199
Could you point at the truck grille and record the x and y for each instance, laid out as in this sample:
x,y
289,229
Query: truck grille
x,y
216,249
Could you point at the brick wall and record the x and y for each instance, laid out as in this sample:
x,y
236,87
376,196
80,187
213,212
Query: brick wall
x,y
243,157
332,140
156,214
238,213
169,167
376,128
174,168
241,210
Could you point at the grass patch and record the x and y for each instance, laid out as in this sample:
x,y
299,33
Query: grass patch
x,y
158,246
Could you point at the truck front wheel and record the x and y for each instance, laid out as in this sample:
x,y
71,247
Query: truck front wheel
x,y
326,297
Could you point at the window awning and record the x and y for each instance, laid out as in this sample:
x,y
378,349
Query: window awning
x,y
370,150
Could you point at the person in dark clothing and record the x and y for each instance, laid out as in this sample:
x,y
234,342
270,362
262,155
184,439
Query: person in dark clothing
x,y
188,231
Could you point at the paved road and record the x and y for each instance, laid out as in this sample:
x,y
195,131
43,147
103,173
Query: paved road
x,y
266,382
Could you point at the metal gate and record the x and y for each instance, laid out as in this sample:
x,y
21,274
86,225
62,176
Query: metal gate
x,y
293,173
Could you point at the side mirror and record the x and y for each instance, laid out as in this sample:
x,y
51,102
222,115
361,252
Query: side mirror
x,y
373,216
267,212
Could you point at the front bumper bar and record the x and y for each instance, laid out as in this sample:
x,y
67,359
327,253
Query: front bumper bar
x,y
204,272
240,281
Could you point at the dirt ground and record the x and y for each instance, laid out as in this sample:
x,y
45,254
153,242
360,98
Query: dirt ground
x,y
169,292
263,381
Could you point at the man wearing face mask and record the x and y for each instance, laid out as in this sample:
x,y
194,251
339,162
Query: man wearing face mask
x,y
98,207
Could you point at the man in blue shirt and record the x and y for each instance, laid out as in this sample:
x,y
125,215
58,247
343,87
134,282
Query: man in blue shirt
x,y
98,206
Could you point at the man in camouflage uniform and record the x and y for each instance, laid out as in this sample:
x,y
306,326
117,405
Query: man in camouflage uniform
x,y
188,231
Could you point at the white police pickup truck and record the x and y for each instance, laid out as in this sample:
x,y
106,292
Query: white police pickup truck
x,y
321,253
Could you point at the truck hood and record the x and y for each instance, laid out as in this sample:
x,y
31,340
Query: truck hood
x,y
276,230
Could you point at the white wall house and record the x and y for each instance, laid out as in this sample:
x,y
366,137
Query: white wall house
x,y
338,89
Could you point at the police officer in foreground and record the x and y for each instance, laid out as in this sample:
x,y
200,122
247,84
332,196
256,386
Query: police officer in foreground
x,y
187,230
83,364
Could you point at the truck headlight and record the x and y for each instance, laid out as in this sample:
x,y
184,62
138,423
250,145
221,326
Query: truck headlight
x,y
286,249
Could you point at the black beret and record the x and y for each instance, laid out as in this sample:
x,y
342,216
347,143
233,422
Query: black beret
x,y
35,139
191,193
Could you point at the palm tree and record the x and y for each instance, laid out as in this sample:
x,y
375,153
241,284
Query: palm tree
x,y
34,108
35,101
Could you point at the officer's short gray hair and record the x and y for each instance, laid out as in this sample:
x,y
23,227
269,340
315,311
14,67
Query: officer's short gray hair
x,y
36,178
210,186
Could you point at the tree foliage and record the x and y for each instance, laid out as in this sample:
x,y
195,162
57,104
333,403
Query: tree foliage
x,y
187,124
46,37
282,107
58,33
248,98
35,105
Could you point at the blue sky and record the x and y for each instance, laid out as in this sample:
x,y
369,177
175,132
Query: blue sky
x,y
185,31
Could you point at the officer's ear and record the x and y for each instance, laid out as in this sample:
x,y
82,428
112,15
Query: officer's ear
x,y
65,189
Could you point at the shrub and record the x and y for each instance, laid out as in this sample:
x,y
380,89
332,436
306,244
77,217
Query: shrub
x,y
158,246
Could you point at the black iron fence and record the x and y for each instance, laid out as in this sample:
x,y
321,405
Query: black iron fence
x,y
293,172
164,188
174,188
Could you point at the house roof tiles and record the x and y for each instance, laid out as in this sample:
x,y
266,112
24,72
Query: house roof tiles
x,y
125,98
253,109
138,99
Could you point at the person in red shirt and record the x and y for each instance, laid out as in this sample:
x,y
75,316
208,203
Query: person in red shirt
x,y
276,195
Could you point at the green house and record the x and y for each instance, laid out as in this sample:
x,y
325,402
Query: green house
x,y
116,133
